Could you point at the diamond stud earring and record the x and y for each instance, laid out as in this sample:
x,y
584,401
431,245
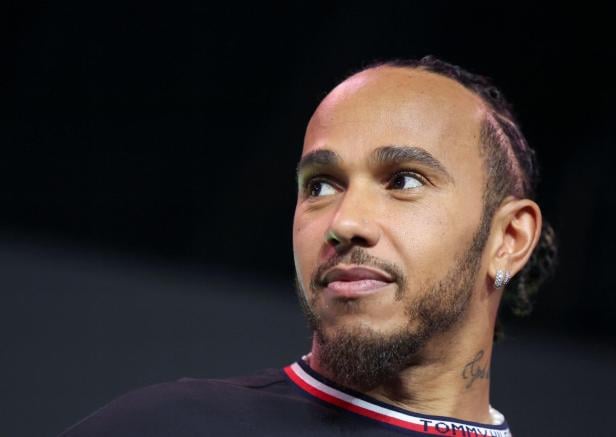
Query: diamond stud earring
x,y
501,279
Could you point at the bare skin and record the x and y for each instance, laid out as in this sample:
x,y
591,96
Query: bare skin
x,y
420,221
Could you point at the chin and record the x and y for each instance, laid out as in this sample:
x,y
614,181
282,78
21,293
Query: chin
x,y
382,313
360,325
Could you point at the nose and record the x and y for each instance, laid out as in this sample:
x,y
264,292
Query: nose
x,y
353,222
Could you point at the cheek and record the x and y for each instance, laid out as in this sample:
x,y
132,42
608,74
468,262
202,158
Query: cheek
x,y
307,238
425,238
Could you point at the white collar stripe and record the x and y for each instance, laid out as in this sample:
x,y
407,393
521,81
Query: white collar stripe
x,y
427,424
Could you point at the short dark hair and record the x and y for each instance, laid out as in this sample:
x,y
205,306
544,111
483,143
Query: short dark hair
x,y
511,168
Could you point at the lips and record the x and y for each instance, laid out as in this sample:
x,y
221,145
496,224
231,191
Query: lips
x,y
355,281
355,274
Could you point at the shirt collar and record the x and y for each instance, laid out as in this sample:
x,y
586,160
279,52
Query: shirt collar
x,y
327,391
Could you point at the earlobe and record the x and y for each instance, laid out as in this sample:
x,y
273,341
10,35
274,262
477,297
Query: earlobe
x,y
518,224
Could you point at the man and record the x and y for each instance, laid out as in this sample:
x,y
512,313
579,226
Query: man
x,y
414,210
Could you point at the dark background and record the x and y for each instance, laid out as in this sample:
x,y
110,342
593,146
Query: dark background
x,y
147,171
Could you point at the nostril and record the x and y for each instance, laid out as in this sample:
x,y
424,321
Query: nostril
x,y
332,238
359,241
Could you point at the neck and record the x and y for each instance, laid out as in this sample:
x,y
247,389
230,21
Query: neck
x,y
450,378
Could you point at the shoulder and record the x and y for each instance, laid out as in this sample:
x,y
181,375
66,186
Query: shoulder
x,y
183,406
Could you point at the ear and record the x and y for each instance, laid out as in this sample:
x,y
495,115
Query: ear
x,y
516,231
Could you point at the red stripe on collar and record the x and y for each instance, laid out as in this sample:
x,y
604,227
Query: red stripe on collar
x,y
317,387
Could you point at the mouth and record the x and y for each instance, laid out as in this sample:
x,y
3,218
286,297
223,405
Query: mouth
x,y
355,282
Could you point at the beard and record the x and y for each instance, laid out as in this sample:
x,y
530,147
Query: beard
x,y
363,358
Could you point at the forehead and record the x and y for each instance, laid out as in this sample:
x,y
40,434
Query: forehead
x,y
399,106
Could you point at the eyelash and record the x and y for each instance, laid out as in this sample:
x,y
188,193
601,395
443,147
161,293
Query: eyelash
x,y
326,179
412,173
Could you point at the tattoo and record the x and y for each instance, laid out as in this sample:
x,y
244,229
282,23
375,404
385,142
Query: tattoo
x,y
473,370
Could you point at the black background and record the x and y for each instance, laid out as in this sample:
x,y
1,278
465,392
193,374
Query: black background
x,y
148,155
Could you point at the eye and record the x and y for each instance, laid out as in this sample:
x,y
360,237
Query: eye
x,y
405,180
319,188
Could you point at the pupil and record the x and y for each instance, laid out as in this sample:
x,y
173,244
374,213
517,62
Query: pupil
x,y
316,189
399,182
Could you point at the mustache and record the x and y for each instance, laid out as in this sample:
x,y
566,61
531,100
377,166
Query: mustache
x,y
357,256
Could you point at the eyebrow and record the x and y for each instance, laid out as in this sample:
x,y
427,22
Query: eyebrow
x,y
318,158
386,155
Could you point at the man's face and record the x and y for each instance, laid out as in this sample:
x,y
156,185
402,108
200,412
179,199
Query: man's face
x,y
391,180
